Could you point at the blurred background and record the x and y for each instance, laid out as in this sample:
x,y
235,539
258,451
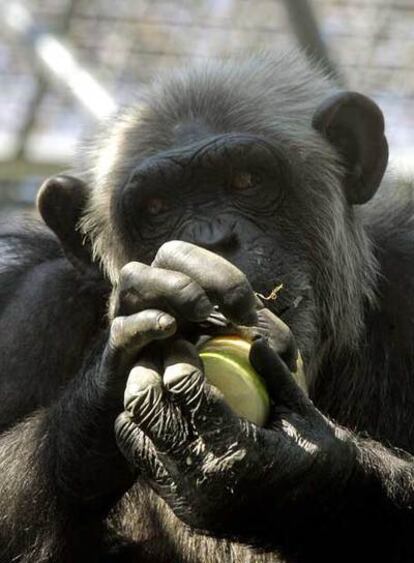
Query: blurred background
x,y
66,64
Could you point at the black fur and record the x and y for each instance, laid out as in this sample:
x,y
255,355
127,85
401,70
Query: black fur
x,y
66,493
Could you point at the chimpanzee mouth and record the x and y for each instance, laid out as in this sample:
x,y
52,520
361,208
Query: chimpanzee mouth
x,y
280,300
219,323
283,309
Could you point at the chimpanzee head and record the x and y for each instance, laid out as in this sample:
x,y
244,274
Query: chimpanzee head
x,y
261,160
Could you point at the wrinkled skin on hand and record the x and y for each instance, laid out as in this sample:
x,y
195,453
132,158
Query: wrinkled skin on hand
x,y
218,472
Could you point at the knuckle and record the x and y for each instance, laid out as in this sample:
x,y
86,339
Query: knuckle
x,y
183,377
172,248
240,278
127,274
285,337
117,332
193,299
288,343
275,328
184,284
143,385
164,251
239,300
166,247
122,425
128,436
239,292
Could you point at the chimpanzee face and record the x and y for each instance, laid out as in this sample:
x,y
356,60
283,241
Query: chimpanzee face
x,y
236,194
267,180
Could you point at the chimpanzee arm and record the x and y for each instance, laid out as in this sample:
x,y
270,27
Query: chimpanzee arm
x,y
62,376
369,517
36,525
49,315
361,501
61,470
374,518
61,473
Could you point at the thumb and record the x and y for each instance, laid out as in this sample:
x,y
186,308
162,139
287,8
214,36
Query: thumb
x,y
279,381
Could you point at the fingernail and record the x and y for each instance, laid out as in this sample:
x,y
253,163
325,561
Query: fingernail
x,y
165,322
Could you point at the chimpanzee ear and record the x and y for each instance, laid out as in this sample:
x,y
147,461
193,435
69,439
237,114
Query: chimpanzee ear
x,y
354,125
61,201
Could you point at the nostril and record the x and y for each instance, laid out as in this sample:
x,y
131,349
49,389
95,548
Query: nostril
x,y
214,235
225,242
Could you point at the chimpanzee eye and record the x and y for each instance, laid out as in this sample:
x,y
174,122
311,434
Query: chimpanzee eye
x,y
156,205
242,181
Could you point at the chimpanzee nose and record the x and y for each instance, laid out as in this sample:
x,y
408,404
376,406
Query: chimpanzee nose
x,y
216,235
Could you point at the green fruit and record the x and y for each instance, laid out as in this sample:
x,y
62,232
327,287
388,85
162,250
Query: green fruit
x,y
227,367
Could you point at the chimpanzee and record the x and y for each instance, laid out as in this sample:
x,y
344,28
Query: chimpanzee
x,y
223,182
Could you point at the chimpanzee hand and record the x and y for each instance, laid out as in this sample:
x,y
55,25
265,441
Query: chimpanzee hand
x,y
183,282
212,467
220,473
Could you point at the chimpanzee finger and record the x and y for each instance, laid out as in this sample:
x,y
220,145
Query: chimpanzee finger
x,y
277,334
136,331
143,287
280,382
127,336
139,451
151,409
203,403
225,284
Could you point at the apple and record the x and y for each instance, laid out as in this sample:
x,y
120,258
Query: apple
x,y
227,367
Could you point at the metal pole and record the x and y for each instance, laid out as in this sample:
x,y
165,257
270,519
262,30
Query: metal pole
x,y
57,58
306,28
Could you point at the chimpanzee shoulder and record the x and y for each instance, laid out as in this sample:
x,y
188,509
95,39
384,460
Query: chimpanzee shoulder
x,y
376,376
391,228
41,293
